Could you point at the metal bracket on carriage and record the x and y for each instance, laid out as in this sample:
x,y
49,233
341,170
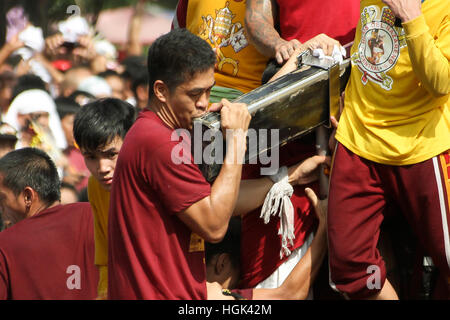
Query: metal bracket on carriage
x,y
306,58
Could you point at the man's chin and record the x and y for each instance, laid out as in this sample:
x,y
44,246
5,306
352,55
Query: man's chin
x,y
106,186
198,116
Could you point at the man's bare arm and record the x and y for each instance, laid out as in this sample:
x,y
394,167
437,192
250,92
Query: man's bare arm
x,y
260,19
253,192
134,45
298,283
210,216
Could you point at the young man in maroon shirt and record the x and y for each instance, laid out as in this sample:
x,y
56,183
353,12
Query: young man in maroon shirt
x,y
48,253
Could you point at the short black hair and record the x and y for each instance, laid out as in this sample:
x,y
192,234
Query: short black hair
x,y
140,79
28,82
109,73
7,78
71,187
77,93
99,122
66,106
230,244
37,170
132,65
177,57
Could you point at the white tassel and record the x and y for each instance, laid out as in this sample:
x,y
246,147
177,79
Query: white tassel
x,y
278,201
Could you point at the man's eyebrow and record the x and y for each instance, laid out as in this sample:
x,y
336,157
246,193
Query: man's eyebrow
x,y
113,149
198,90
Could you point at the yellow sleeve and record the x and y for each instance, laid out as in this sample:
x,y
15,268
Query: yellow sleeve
x,y
430,57
99,200
102,289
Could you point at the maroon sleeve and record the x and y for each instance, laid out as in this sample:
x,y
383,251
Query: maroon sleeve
x,y
178,186
179,20
3,278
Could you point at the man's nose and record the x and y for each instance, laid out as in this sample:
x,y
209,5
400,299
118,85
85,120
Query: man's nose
x,y
104,165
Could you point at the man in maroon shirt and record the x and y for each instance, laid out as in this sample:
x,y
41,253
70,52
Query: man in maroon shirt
x,y
162,209
48,253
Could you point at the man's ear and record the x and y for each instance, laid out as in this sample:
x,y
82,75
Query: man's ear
x,y
161,91
29,196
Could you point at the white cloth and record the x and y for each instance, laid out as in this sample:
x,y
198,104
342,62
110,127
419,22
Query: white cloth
x,y
278,202
96,86
132,101
337,55
105,48
277,278
73,28
37,101
33,38
39,70
34,42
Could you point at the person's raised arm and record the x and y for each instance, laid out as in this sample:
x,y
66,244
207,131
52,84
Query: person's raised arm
x,y
253,192
134,47
430,57
9,48
260,18
298,283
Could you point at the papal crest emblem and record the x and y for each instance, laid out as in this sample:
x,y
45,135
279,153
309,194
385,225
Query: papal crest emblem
x,y
379,48
221,32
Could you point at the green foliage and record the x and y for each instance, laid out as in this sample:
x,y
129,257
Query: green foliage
x,y
58,9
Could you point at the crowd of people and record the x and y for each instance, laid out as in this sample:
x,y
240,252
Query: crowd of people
x,y
98,201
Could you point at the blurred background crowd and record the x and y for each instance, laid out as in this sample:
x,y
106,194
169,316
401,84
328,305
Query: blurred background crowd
x,y
56,56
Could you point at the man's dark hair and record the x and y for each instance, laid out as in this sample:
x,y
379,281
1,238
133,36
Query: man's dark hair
x,y
230,244
109,73
132,65
31,167
7,79
79,93
28,82
71,187
99,122
177,57
66,106
140,79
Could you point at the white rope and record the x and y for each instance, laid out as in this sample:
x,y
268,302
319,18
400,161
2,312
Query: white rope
x,y
278,201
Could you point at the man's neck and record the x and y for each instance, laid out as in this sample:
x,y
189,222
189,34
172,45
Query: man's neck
x,y
39,207
165,113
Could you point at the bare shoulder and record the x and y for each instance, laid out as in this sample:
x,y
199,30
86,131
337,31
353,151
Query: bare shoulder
x,y
214,291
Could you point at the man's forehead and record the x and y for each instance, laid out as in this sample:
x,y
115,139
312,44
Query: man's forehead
x,y
201,79
114,143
